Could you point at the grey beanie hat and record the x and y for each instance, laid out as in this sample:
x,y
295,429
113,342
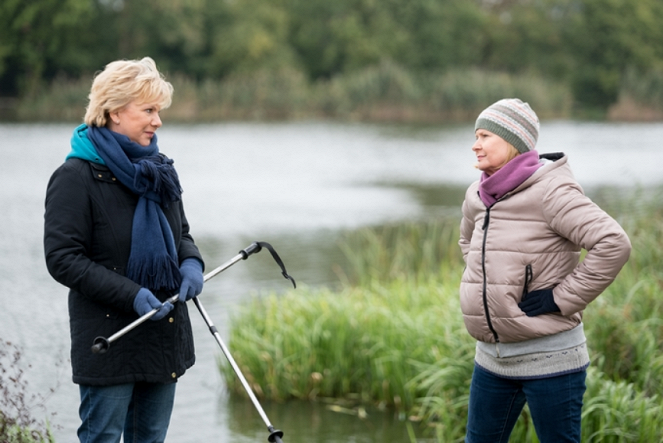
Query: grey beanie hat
x,y
513,120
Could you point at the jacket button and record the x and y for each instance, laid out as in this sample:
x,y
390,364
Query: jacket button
x,y
99,175
173,375
113,179
171,319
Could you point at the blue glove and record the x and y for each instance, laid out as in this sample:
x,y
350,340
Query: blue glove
x,y
192,279
538,303
145,301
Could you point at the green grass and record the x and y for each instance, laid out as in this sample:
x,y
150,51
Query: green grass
x,y
394,336
362,343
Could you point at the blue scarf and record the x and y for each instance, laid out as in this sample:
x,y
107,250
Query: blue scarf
x,y
153,260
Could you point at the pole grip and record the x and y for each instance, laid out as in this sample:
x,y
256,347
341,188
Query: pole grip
x,y
251,249
274,435
101,345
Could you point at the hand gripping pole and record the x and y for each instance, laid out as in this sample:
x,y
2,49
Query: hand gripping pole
x,y
102,344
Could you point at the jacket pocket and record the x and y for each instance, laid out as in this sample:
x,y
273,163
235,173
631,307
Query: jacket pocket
x,y
528,280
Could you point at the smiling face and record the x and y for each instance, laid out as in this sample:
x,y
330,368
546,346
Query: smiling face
x,y
492,151
138,121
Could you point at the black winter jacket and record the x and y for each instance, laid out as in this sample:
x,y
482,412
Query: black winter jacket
x,y
87,240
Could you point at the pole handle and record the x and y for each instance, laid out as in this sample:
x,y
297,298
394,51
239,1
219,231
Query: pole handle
x,y
253,248
274,435
101,345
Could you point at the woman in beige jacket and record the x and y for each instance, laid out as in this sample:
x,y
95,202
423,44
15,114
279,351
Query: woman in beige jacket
x,y
524,287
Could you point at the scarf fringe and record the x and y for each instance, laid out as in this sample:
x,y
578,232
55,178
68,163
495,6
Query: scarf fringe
x,y
155,273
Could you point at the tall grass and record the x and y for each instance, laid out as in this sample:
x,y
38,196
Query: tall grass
x,y
385,92
363,344
405,251
640,96
645,88
394,337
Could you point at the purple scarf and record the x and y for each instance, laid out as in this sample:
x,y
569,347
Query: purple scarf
x,y
509,177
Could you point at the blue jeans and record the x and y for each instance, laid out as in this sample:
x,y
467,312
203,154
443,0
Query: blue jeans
x,y
140,410
555,405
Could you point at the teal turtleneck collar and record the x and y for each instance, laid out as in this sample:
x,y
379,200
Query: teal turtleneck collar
x,y
82,147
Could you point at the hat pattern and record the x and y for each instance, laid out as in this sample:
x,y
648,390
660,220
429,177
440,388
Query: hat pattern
x,y
513,120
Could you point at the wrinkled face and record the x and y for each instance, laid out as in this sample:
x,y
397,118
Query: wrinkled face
x,y
492,151
138,121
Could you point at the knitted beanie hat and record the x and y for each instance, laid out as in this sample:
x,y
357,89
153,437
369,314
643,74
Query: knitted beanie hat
x,y
513,120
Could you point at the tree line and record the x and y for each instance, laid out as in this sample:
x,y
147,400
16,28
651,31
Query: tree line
x,y
590,45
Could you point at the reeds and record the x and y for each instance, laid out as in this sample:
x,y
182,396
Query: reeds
x,y
63,100
362,345
394,337
640,96
385,92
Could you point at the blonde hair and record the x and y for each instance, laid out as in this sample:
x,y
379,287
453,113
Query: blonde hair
x,y
513,153
122,82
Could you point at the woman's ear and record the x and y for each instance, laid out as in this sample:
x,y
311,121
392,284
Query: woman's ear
x,y
113,119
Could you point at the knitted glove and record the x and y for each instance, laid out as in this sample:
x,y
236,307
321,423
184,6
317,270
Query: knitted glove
x,y
538,303
192,279
145,301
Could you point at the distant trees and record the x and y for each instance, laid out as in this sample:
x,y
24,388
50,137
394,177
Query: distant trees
x,y
39,39
588,44
611,36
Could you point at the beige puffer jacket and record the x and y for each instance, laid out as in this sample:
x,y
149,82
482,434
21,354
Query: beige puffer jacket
x,y
538,229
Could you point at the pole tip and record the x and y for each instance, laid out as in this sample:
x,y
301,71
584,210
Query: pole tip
x,y
101,345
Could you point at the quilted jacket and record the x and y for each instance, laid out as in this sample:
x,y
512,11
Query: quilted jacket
x,y
532,239
87,239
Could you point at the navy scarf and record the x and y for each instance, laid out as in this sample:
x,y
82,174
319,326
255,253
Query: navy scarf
x,y
153,261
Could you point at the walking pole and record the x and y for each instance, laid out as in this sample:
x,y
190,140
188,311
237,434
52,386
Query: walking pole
x,y
274,434
102,344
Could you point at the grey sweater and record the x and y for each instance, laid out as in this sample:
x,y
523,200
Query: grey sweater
x,y
543,357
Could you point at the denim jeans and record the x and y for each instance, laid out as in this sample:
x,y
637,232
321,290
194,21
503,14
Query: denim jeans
x,y
140,410
555,405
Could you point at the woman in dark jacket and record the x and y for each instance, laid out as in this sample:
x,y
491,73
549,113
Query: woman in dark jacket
x,y
116,235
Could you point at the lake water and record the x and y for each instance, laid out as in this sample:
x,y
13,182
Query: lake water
x,y
294,185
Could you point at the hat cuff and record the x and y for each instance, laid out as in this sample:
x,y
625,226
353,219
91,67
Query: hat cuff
x,y
507,135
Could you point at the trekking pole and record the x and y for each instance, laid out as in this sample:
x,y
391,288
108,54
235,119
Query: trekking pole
x,y
102,344
274,434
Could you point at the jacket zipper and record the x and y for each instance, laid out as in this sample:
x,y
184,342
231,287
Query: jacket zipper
x,y
486,220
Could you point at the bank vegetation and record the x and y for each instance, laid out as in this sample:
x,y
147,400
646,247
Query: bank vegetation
x,y
393,338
